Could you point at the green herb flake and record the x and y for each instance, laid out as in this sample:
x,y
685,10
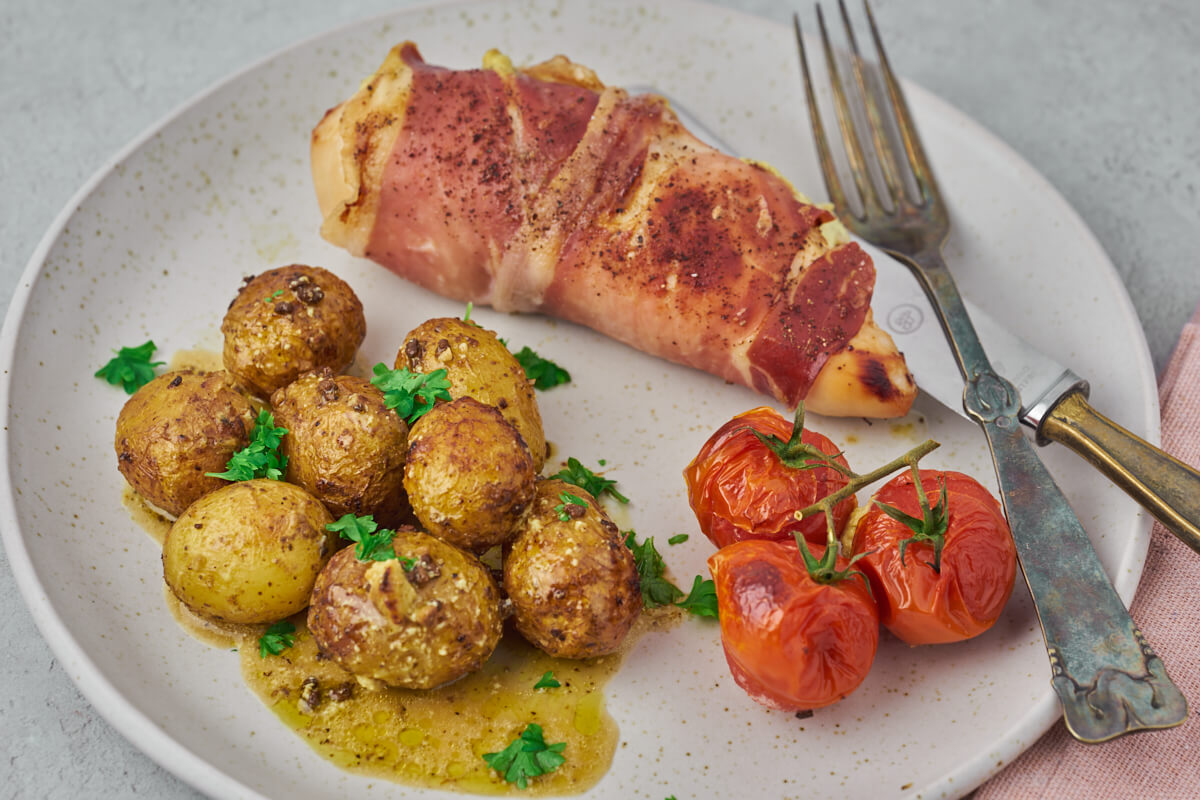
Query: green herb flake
x,y
678,538
527,757
547,681
260,458
274,295
276,639
702,600
372,543
544,373
411,394
656,590
568,499
131,368
576,474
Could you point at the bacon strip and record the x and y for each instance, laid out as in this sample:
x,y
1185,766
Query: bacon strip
x,y
543,190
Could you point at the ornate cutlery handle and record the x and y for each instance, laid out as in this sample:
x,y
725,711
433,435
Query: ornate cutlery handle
x,y
1164,485
1109,680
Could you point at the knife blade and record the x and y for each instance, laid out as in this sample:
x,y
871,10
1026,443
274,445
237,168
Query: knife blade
x,y
1053,398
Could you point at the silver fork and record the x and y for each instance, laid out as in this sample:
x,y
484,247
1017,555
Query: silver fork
x,y
1108,679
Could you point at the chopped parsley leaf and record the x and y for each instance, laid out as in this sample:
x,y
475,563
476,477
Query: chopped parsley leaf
x,y
131,368
656,590
547,681
372,543
544,373
260,458
411,394
273,295
528,756
568,499
577,474
702,600
678,538
276,639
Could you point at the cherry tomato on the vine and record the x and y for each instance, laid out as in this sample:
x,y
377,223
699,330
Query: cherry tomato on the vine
x,y
740,488
792,642
927,597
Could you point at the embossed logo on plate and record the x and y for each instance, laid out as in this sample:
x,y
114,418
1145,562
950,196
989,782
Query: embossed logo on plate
x,y
905,318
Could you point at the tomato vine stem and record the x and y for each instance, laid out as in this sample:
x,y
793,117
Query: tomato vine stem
x,y
825,570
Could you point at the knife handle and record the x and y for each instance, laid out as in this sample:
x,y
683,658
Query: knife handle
x,y
1164,485
1107,677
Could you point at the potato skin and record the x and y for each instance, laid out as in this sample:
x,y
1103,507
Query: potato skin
x,y
469,476
249,552
478,365
176,428
315,321
344,445
573,584
414,629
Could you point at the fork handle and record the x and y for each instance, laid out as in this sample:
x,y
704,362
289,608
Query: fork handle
x,y
1164,485
1108,679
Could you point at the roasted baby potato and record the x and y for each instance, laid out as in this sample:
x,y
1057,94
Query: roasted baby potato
x,y
469,476
478,365
288,321
249,552
416,628
573,583
344,445
176,428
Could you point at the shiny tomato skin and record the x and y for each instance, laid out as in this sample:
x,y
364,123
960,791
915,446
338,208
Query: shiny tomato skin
x,y
978,567
792,643
739,489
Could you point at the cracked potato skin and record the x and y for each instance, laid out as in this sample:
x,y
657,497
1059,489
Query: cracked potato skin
x,y
414,629
344,445
469,475
573,584
248,553
288,321
478,365
176,428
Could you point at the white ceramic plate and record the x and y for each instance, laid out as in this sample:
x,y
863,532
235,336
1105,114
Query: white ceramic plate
x,y
156,244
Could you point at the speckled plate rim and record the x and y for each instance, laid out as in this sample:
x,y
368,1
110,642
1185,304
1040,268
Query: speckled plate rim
x,y
209,778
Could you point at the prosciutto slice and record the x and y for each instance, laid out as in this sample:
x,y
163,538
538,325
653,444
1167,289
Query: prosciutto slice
x,y
542,190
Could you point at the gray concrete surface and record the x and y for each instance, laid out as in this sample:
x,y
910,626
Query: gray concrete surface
x,y
1099,96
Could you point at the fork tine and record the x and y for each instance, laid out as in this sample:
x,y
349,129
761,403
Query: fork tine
x,y
828,169
854,152
883,151
918,162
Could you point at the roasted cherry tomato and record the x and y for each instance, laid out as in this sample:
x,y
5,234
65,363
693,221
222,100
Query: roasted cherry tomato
x,y
740,488
792,642
927,597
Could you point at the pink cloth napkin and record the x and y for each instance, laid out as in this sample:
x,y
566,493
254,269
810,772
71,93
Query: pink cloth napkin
x,y
1163,765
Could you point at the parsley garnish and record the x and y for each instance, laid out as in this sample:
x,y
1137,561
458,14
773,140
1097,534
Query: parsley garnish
x,y
527,757
577,474
276,639
260,458
702,600
411,394
678,538
656,590
568,499
467,314
276,293
372,543
132,368
548,681
544,373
